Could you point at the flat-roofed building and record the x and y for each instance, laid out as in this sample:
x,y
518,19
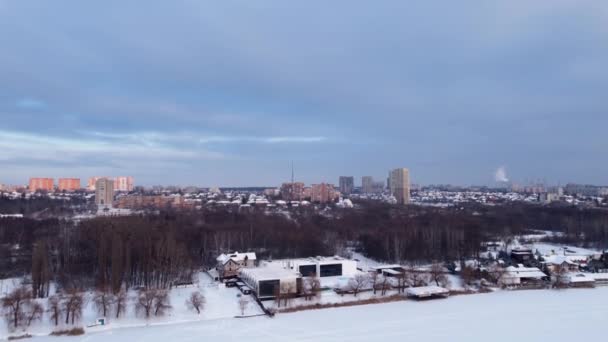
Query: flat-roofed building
x,y
399,184
346,184
68,184
292,191
41,184
104,192
323,193
123,183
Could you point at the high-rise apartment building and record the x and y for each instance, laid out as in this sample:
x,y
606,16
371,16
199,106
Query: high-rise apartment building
x,y
123,183
68,184
92,181
323,193
399,183
104,192
347,184
292,191
367,184
44,184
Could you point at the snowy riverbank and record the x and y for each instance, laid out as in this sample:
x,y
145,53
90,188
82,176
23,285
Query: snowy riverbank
x,y
542,315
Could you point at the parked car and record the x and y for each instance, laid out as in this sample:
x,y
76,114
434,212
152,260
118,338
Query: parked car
x,y
246,290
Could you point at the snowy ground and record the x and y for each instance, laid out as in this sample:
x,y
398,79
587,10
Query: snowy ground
x,y
544,315
221,303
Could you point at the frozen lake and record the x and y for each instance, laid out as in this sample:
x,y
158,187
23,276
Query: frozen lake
x,y
547,315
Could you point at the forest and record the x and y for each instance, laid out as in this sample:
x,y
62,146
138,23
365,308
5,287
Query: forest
x,y
163,250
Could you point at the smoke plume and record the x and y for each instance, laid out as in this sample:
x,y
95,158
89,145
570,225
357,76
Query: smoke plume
x,y
501,175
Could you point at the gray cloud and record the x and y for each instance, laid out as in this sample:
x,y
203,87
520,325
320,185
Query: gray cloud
x,y
348,86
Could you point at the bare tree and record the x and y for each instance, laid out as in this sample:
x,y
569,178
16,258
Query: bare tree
x,y
196,301
54,308
14,305
73,303
559,273
358,283
417,278
373,279
385,285
496,273
402,281
145,302
438,274
287,290
33,313
312,287
103,301
243,303
120,303
468,274
161,302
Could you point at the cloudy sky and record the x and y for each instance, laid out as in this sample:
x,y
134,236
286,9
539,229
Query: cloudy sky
x,y
229,93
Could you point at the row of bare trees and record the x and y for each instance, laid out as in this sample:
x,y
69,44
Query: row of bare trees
x,y
21,308
409,276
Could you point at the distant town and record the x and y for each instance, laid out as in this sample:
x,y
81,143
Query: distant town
x,y
116,196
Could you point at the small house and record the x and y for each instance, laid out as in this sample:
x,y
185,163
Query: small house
x,y
228,265
522,255
521,275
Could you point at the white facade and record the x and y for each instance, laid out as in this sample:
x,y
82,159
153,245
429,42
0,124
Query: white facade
x,y
318,265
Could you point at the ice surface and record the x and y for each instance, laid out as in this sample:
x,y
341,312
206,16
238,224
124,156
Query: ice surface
x,y
542,315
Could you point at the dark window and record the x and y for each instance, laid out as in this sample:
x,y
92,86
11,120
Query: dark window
x,y
267,288
333,270
308,270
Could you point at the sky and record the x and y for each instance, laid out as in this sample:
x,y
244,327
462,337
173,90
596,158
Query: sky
x,y
230,93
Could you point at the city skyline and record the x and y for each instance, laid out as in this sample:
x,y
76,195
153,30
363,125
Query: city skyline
x,y
229,94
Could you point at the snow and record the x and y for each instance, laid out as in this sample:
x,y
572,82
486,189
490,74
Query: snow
x,y
426,291
481,317
221,303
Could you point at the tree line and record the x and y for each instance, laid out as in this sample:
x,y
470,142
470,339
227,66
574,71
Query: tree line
x,y
158,251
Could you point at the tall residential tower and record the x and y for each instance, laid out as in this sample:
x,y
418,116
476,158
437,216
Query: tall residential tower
x,y
399,183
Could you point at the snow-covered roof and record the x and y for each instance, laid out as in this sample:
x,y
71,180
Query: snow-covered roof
x,y
427,291
568,259
270,272
382,267
236,256
524,272
581,278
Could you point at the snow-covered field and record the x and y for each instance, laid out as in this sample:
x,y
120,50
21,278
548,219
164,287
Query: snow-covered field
x,y
221,303
543,315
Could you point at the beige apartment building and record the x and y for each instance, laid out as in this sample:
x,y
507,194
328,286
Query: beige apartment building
x,y
399,185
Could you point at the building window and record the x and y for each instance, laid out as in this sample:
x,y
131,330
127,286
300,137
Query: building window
x,y
332,270
308,270
267,288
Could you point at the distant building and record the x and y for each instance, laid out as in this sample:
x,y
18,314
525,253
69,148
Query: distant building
x,y
92,181
68,184
104,192
377,187
44,184
347,184
292,191
123,183
399,185
367,184
323,193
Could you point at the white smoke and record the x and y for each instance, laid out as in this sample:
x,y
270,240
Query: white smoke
x,y
501,175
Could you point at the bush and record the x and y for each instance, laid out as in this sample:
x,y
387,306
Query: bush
x,y
68,332
20,337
